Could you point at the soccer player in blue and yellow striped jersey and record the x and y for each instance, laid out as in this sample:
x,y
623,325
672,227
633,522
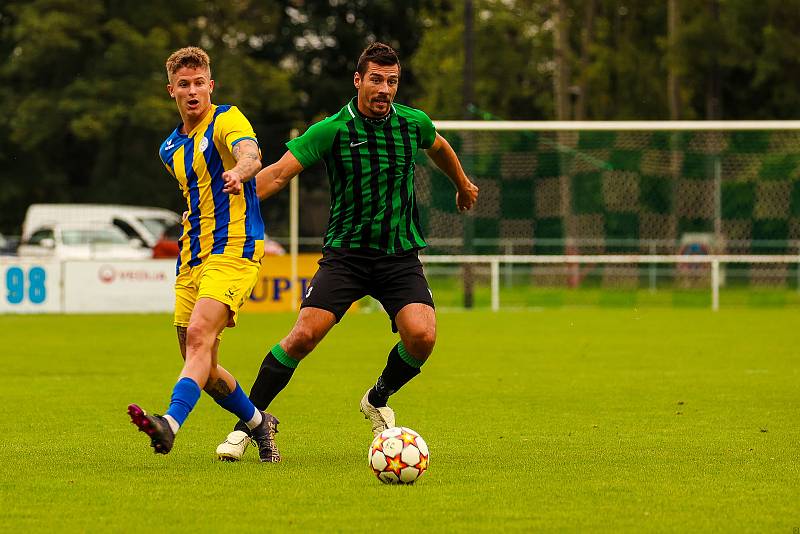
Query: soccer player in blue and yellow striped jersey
x,y
220,249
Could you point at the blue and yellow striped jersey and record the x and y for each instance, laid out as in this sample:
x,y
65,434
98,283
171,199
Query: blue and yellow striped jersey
x,y
218,223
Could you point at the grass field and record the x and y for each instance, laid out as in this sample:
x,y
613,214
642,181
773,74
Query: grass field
x,y
576,420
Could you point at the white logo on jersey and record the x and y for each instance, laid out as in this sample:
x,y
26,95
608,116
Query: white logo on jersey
x,y
353,145
204,144
308,293
169,146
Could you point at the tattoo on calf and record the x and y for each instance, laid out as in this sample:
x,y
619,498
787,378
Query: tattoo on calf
x,y
218,389
182,335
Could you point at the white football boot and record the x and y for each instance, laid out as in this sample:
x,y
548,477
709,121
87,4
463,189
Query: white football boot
x,y
232,449
381,418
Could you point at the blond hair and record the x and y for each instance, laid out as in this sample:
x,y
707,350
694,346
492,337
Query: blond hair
x,y
190,56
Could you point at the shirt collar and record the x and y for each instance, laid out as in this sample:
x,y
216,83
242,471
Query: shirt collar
x,y
352,107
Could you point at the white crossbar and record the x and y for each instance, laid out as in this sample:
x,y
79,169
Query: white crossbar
x,y
568,126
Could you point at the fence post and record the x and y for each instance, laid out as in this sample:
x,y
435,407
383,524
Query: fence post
x,y
508,250
294,233
715,284
652,269
495,267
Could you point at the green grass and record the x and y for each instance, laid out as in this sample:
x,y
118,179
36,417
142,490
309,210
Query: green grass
x,y
571,420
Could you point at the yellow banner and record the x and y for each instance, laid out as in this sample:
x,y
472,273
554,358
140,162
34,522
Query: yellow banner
x,y
273,291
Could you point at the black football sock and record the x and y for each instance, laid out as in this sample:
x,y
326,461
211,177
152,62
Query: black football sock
x,y
400,368
276,371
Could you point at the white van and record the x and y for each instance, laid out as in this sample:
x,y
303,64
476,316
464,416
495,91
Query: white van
x,y
137,222
82,241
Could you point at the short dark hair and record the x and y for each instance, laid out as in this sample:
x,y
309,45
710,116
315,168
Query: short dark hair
x,y
379,53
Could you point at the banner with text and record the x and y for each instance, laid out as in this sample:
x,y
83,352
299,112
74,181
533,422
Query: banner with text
x,y
30,286
145,286
274,287
119,286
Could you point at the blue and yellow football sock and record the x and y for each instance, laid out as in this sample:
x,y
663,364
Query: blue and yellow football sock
x,y
275,372
184,396
400,368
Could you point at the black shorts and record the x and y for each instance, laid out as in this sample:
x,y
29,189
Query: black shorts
x,y
346,275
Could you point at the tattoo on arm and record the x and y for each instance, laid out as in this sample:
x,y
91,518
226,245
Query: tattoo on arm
x,y
218,389
248,161
246,150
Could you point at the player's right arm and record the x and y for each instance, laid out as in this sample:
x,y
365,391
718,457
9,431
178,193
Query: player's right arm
x,y
273,178
446,159
303,152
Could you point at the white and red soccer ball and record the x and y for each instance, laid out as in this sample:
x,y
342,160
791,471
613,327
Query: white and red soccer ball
x,y
398,455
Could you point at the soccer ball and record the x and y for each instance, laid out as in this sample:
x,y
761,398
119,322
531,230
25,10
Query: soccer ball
x,y
398,455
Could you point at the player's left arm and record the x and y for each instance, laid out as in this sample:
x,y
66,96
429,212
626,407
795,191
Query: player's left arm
x,y
248,163
445,158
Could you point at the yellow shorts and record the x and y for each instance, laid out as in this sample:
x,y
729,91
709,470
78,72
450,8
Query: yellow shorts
x,y
226,279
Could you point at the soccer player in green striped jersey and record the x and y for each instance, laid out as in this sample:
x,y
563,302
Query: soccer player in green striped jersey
x,y
373,237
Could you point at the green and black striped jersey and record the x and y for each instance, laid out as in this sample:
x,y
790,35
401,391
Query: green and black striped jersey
x,y
371,173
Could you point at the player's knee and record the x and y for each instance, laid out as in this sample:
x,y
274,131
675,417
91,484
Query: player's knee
x,y
420,343
199,336
301,341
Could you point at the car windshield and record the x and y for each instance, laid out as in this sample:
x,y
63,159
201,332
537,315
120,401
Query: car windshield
x,y
93,236
154,225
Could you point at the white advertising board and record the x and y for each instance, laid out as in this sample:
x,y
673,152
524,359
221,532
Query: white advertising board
x,y
119,286
30,286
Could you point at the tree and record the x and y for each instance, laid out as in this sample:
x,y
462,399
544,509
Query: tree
x,y
318,44
88,106
513,60
751,48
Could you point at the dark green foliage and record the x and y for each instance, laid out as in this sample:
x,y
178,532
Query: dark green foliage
x,y
549,228
442,192
625,160
549,164
488,228
698,166
592,140
773,232
587,193
689,225
749,141
738,200
779,166
669,140
82,83
517,199
655,194
622,232
84,98
794,206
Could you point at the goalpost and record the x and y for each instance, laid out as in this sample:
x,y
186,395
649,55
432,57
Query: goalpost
x,y
614,207
696,203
